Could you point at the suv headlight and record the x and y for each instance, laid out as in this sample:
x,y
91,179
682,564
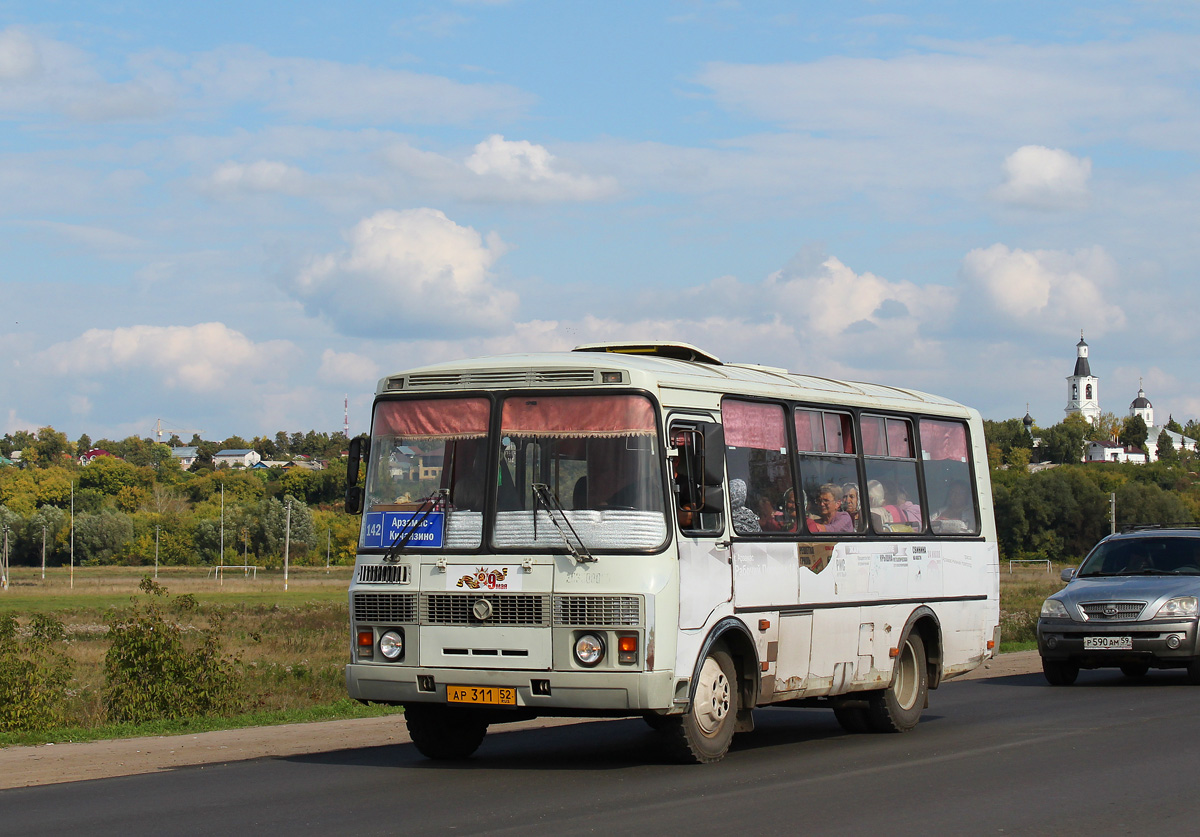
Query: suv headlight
x,y
1054,609
1178,606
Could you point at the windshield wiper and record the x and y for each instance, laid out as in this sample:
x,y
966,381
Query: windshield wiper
x,y
437,501
543,496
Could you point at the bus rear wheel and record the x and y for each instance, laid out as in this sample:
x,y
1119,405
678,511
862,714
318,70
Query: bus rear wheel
x,y
898,707
444,732
702,734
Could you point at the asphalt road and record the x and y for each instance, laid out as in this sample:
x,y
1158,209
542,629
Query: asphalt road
x,y
1005,755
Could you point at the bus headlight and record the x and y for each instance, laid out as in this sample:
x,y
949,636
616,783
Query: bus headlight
x,y
1180,606
589,650
391,645
1054,609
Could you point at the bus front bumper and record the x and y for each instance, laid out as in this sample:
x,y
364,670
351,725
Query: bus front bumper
x,y
558,692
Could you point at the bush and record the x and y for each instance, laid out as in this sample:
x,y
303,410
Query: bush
x,y
34,674
156,669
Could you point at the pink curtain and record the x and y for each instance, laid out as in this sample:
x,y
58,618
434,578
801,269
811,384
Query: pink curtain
x,y
443,418
873,439
898,438
944,440
750,425
578,416
806,422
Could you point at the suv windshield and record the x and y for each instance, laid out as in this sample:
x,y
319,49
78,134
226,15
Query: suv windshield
x,y
1144,555
417,449
598,456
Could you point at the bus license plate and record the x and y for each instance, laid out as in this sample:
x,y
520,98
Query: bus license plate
x,y
1108,643
494,695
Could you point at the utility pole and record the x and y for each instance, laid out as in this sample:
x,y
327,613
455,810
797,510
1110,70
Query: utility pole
x,y
43,553
4,562
221,560
72,534
287,542
156,528
1112,511
328,543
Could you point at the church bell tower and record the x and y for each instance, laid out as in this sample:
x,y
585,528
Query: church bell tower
x,y
1083,389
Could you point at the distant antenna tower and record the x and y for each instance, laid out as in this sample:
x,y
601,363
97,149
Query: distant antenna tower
x,y
346,420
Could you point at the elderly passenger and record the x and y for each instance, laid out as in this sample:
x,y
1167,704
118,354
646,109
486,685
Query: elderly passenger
x,y
829,516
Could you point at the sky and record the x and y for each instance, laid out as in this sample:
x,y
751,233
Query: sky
x,y
230,218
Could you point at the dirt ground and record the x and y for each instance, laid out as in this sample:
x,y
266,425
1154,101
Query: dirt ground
x,y
52,763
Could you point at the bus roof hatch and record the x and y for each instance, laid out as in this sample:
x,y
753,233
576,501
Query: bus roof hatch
x,y
675,351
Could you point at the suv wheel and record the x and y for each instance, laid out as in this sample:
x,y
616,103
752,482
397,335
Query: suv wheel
x,y
1059,672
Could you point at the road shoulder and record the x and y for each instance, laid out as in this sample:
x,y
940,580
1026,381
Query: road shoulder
x,y
49,764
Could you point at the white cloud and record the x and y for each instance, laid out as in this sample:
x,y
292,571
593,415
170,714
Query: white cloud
x,y
1047,178
1047,291
265,176
352,370
19,58
205,358
533,168
412,273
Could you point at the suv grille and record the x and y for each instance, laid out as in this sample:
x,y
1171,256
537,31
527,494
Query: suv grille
x,y
1111,611
507,609
383,574
389,608
597,610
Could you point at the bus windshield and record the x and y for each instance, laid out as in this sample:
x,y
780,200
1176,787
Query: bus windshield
x,y
419,448
598,457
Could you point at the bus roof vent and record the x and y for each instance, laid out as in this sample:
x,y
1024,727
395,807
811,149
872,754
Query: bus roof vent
x,y
675,351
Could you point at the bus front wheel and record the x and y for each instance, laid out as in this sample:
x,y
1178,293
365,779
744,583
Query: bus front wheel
x,y
702,734
444,732
898,707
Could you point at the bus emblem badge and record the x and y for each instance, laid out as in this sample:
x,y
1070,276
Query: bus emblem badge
x,y
482,610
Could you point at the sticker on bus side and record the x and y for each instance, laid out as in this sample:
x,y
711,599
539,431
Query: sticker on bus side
x,y
382,528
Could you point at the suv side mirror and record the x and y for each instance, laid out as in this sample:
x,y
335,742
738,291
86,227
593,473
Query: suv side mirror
x,y
360,446
1067,574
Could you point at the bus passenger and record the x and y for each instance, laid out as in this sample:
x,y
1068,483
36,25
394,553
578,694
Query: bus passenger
x,y
830,517
769,518
850,503
744,520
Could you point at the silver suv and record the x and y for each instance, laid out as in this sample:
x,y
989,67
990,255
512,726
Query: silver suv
x,y
1132,604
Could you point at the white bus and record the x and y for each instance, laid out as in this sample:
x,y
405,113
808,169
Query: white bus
x,y
641,529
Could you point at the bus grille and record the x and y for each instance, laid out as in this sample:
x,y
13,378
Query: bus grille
x,y
1116,611
597,610
383,574
389,608
487,378
507,609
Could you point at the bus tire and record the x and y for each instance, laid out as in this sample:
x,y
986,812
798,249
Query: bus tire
x,y
853,719
1059,672
898,707
702,734
444,732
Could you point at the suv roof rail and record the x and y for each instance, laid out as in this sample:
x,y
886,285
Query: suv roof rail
x,y
1136,527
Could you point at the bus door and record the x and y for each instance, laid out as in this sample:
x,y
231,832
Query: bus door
x,y
705,562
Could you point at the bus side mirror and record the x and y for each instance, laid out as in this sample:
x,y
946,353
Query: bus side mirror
x,y
712,468
359,447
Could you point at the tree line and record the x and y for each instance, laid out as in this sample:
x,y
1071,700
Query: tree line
x,y
138,503
1062,510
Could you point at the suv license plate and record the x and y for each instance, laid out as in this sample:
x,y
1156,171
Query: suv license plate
x,y
492,695
1108,643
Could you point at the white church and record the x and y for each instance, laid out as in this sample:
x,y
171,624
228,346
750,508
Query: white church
x,y
1083,398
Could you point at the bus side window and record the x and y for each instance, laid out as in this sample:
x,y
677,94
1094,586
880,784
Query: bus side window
x,y
698,475
948,483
